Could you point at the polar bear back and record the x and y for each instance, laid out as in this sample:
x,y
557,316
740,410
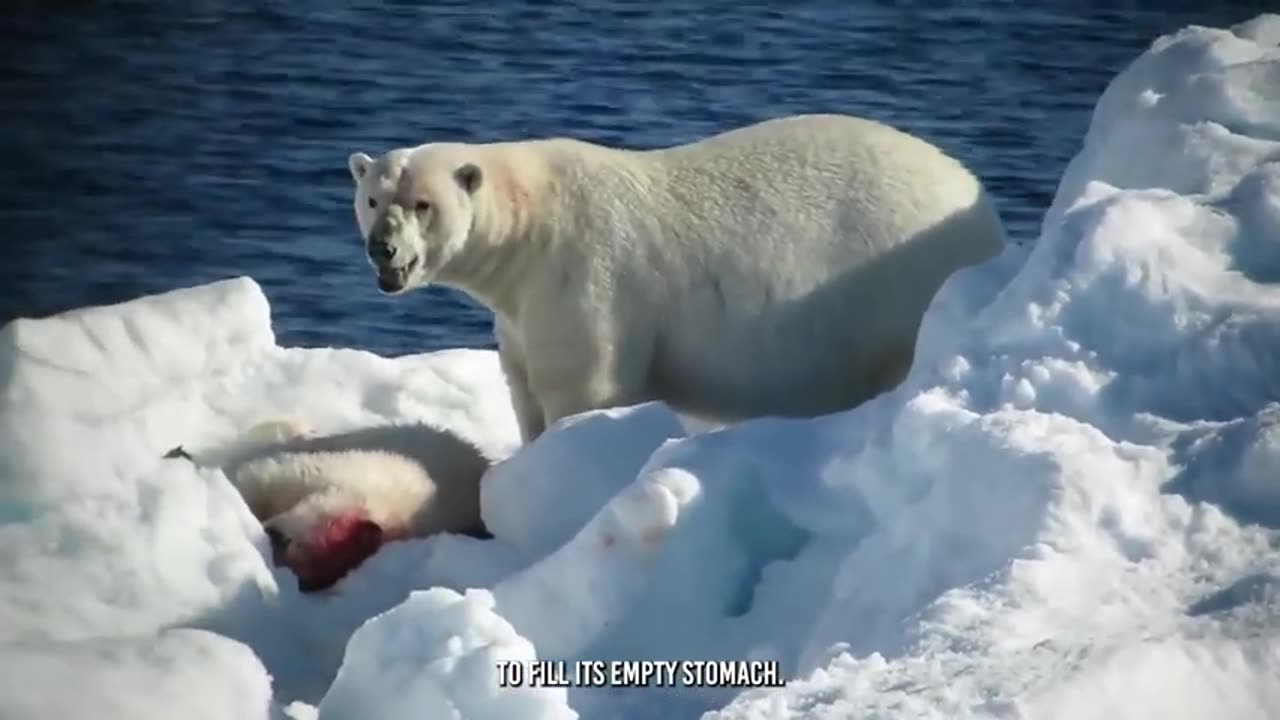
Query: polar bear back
x,y
793,260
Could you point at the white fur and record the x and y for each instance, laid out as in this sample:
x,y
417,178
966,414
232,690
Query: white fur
x,y
277,430
408,479
293,491
778,269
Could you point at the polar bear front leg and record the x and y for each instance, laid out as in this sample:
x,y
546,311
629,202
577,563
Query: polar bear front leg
x,y
529,415
571,374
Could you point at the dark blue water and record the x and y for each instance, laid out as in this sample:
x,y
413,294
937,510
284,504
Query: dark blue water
x,y
149,146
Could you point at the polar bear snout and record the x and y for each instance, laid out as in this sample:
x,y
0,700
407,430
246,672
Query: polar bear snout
x,y
382,252
393,280
394,260
389,239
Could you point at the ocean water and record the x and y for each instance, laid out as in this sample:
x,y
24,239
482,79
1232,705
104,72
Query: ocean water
x,y
152,145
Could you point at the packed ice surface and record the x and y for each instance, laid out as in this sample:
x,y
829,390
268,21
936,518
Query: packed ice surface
x,y
1068,510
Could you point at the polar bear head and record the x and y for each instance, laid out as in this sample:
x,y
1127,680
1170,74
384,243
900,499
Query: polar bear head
x,y
324,537
414,209
326,511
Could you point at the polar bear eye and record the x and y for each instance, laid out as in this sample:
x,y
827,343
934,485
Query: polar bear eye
x,y
422,206
373,203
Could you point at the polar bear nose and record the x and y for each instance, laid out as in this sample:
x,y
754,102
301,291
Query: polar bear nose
x,y
382,252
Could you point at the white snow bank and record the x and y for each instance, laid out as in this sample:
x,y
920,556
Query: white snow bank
x,y
437,655
144,678
595,454
102,537
1064,512
1069,509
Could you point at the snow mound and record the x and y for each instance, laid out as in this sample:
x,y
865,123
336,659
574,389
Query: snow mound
x,y
437,654
594,454
1069,509
104,537
202,674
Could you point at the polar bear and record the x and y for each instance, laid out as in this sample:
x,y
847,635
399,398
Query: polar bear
x,y
327,503
780,269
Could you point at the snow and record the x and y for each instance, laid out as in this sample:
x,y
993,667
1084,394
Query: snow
x,y
402,667
1070,508
602,452
206,675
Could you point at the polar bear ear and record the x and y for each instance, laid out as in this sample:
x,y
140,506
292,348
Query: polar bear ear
x,y
469,177
359,163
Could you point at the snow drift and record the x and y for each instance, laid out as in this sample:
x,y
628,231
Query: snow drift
x,y
1069,509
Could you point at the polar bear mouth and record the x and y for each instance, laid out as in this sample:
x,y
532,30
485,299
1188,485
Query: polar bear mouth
x,y
396,279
